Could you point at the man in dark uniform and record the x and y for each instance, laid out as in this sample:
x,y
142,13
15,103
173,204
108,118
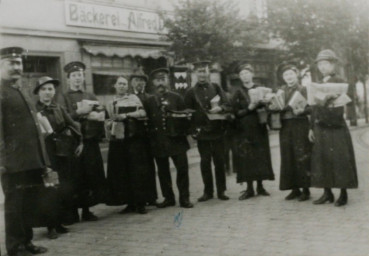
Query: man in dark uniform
x,y
168,141
23,155
91,183
138,83
209,133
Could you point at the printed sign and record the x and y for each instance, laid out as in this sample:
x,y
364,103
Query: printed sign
x,y
114,18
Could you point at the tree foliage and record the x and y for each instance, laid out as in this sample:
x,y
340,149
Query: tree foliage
x,y
308,26
208,29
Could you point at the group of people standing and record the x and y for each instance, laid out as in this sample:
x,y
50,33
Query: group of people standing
x,y
145,131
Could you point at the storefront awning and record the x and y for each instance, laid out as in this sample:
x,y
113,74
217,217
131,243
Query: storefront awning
x,y
123,51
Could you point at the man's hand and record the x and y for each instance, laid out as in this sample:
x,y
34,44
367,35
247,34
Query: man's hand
x,y
311,136
50,178
79,150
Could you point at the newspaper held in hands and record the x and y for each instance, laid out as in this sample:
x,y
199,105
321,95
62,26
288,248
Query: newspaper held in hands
x,y
298,103
317,93
277,101
86,106
214,102
341,101
96,116
259,94
45,125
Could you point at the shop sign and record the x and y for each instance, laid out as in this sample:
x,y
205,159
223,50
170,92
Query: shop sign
x,y
115,18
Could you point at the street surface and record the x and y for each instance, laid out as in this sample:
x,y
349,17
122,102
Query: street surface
x,y
258,226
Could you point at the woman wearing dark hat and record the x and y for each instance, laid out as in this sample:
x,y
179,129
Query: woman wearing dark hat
x,y
333,160
253,152
63,143
294,142
128,158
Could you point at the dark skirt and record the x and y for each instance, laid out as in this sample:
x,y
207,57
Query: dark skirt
x,y
333,160
252,150
91,182
129,172
295,154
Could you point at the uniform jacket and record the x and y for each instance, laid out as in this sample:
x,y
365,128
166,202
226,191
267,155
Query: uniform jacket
x,y
198,98
23,145
162,144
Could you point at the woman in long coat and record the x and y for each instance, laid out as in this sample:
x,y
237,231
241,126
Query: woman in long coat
x,y
252,151
128,159
294,143
333,160
62,145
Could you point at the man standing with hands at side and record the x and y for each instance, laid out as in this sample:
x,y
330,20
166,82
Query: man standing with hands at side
x,y
168,140
209,101
24,162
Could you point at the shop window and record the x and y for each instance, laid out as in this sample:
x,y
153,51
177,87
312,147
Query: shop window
x,y
35,65
104,84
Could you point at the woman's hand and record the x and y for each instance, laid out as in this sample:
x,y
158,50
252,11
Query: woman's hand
x,y
79,150
311,136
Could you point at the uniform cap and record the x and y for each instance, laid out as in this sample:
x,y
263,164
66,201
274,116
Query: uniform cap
x,y
74,66
246,66
11,52
138,74
326,54
201,64
44,80
287,65
159,73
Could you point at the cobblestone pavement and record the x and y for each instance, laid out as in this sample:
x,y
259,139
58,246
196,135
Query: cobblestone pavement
x,y
258,226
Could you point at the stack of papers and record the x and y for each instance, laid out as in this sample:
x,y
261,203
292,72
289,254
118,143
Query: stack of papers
x,y
318,93
44,124
297,102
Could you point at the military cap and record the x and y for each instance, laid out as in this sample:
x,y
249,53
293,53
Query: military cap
x,y
74,66
201,64
159,73
138,74
286,65
45,80
11,52
246,66
326,54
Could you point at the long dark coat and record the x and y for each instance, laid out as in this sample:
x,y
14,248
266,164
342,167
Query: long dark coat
x,y
252,151
91,175
333,159
129,166
60,147
295,145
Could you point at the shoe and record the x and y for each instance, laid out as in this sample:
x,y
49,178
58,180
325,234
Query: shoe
x,y
129,209
186,204
204,197
262,192
305,195
141,210
51,233
61,230
166,203
295,193
223,197
246,195
342,200
30,247
326,197
89,216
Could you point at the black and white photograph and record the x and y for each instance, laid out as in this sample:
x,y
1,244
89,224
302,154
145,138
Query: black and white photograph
x,y
184,127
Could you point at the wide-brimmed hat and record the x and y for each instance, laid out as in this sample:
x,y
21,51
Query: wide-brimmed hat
x,y
44,80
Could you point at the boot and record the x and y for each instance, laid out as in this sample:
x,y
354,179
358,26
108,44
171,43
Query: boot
x,y
88,216
141,209
51,233
261,190
342,200
222,196
166,203
129,209
295,193
305,195
326,197
246,194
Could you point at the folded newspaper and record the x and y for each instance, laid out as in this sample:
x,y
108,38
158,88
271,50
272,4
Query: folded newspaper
x,y
86,106
96,116
277,100
297,102
318,93
45,125
260,94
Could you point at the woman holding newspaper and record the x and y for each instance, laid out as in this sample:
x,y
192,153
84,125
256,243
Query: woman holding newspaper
x,y
63,142
291,102
333,161
252,150
128,159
